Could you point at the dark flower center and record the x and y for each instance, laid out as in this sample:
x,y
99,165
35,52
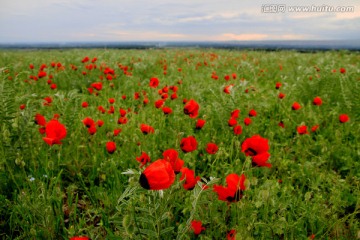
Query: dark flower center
x,y
250,152
144,182
238,195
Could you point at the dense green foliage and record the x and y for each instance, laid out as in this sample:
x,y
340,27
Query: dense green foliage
x,y
78,188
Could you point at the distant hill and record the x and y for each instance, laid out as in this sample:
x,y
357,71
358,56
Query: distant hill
x,y
306,45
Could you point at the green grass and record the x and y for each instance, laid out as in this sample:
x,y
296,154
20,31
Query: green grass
x,y
78,188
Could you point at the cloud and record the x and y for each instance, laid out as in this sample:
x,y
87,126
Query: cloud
x,y
190,20
242,37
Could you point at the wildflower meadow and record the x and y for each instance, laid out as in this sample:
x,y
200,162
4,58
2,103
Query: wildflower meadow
x,y
179,143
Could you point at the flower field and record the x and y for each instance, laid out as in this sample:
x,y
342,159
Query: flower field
x,y
179,144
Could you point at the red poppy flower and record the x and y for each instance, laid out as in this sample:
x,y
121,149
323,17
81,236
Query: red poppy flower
x,y
122,120
145,101
343,118
53,86
233,76
110,147
109,77
85,59
42,130
167,110
172,156
123,97
165,89
174,96
227,77
235,113
48,101
40,120
117,131
157,176
92,129
84,104
31,66
302,130
159,103
317,101
214,76
100,123
101,109
231,235
233,192
97,85
232,122
111,100
314,128
122,112
257,147
174,88
200,124
164,96
188,144
281,95
42,67
88,122
22,106
252,113
190,179
211,148
79,238
237,130
342,70
295,106
281,124
247,121
136,95
278,85
191,108
55,132
197,227
227,89
143,159
111,109
146,129
154,82
41,74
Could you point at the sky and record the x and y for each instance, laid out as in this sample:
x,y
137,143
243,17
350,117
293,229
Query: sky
x,y
186,20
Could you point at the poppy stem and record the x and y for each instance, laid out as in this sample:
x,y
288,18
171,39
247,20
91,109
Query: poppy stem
x,y
136,223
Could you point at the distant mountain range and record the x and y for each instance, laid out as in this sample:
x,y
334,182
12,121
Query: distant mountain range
x,y
306,45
